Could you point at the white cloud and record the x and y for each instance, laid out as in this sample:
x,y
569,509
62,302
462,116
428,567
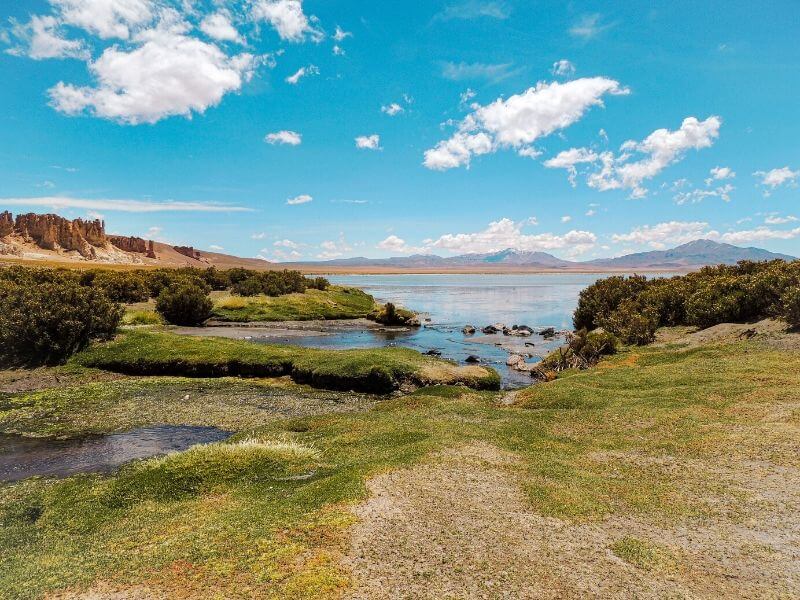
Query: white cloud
x,y
720,173
215,247
673,233
168,74
218,26
563,68
661,149
396,244
759,234
340,34
338,50
520,120
285,137
369,142
392,109
466,96
566,219
777,177
658,236
288,19
258,236
286,244
698,195
106,18
473,9
568,159
588,26
135,206
302,72
41,39
490,72
301,199
506,233
590,213
774,219
334,249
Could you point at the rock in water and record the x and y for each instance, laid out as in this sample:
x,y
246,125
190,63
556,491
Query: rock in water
x,y
473,359
468,330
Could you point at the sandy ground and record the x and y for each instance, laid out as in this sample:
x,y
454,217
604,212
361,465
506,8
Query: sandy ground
x,y
460,527
769,332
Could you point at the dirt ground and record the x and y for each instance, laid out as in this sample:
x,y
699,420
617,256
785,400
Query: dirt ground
x,y
460,527
771,333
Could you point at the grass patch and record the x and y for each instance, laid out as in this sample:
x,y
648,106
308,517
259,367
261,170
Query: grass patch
x,y
142,317
638,439
334,303
644,555
378,370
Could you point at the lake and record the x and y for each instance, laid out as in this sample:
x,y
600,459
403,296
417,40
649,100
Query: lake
x,y
538,300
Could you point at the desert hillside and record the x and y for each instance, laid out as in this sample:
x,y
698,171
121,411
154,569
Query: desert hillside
x,y
52,239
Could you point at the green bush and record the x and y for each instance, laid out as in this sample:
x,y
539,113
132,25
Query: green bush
x,y
318,283
584,350
127,287
389,314
45,323
632,322
791,306
184,304
603,297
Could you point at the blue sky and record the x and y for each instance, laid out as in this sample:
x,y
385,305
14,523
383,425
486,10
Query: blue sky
x,y
584,129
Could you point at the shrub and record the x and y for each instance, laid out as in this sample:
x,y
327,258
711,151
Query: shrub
x,y
791,306
318,283
141,317
632,322
252,286
603,297
45,323
389,314
127,287
184,304
584,350
720,300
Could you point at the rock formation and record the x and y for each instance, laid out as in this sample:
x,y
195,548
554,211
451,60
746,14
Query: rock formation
x,y
52,232
6,223
187,251
133,244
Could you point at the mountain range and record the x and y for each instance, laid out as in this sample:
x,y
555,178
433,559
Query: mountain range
x,y
687,256
36,238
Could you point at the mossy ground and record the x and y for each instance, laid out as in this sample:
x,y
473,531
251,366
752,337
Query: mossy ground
x,y
589,445
378,370
334,303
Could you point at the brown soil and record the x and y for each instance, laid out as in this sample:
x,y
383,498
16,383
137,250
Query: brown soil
x,y
772,333
460,527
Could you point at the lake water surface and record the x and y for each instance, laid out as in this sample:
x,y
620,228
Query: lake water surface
x,y
452,301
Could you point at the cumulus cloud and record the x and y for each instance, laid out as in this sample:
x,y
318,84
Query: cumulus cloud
x,y
673,233
301,199
285,137
775,178
133,206
392,109
658,236
719,174
775,219
340,34
287,18
286,244
563,68
302,72
521,119
694,196
106,18
396,244
169,73
40,39
334,248
490,72
566,219
368,142
659,149
219,26
505,233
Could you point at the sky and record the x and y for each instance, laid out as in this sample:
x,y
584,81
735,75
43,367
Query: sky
x,y
320,129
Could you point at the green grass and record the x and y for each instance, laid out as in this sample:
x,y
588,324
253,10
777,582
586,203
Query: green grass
x,y
226,522
141,317
378,370
333,303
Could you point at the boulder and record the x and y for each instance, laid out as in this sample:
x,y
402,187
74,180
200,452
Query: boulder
x,y
523,328
490,329
517,362
468,330
473,359
548,332
433,352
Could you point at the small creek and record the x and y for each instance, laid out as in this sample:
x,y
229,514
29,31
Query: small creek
x,y
22,457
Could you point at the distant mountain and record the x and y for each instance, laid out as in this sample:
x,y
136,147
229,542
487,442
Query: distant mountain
x,y
687,256
694,254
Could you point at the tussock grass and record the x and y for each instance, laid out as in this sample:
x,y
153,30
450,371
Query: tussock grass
x,y
378,370
333,303
142,317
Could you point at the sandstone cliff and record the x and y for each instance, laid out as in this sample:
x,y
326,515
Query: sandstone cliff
x,y
133,244
187,251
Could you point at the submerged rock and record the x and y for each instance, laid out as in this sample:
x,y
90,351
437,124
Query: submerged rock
x,y
468,330
473,359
